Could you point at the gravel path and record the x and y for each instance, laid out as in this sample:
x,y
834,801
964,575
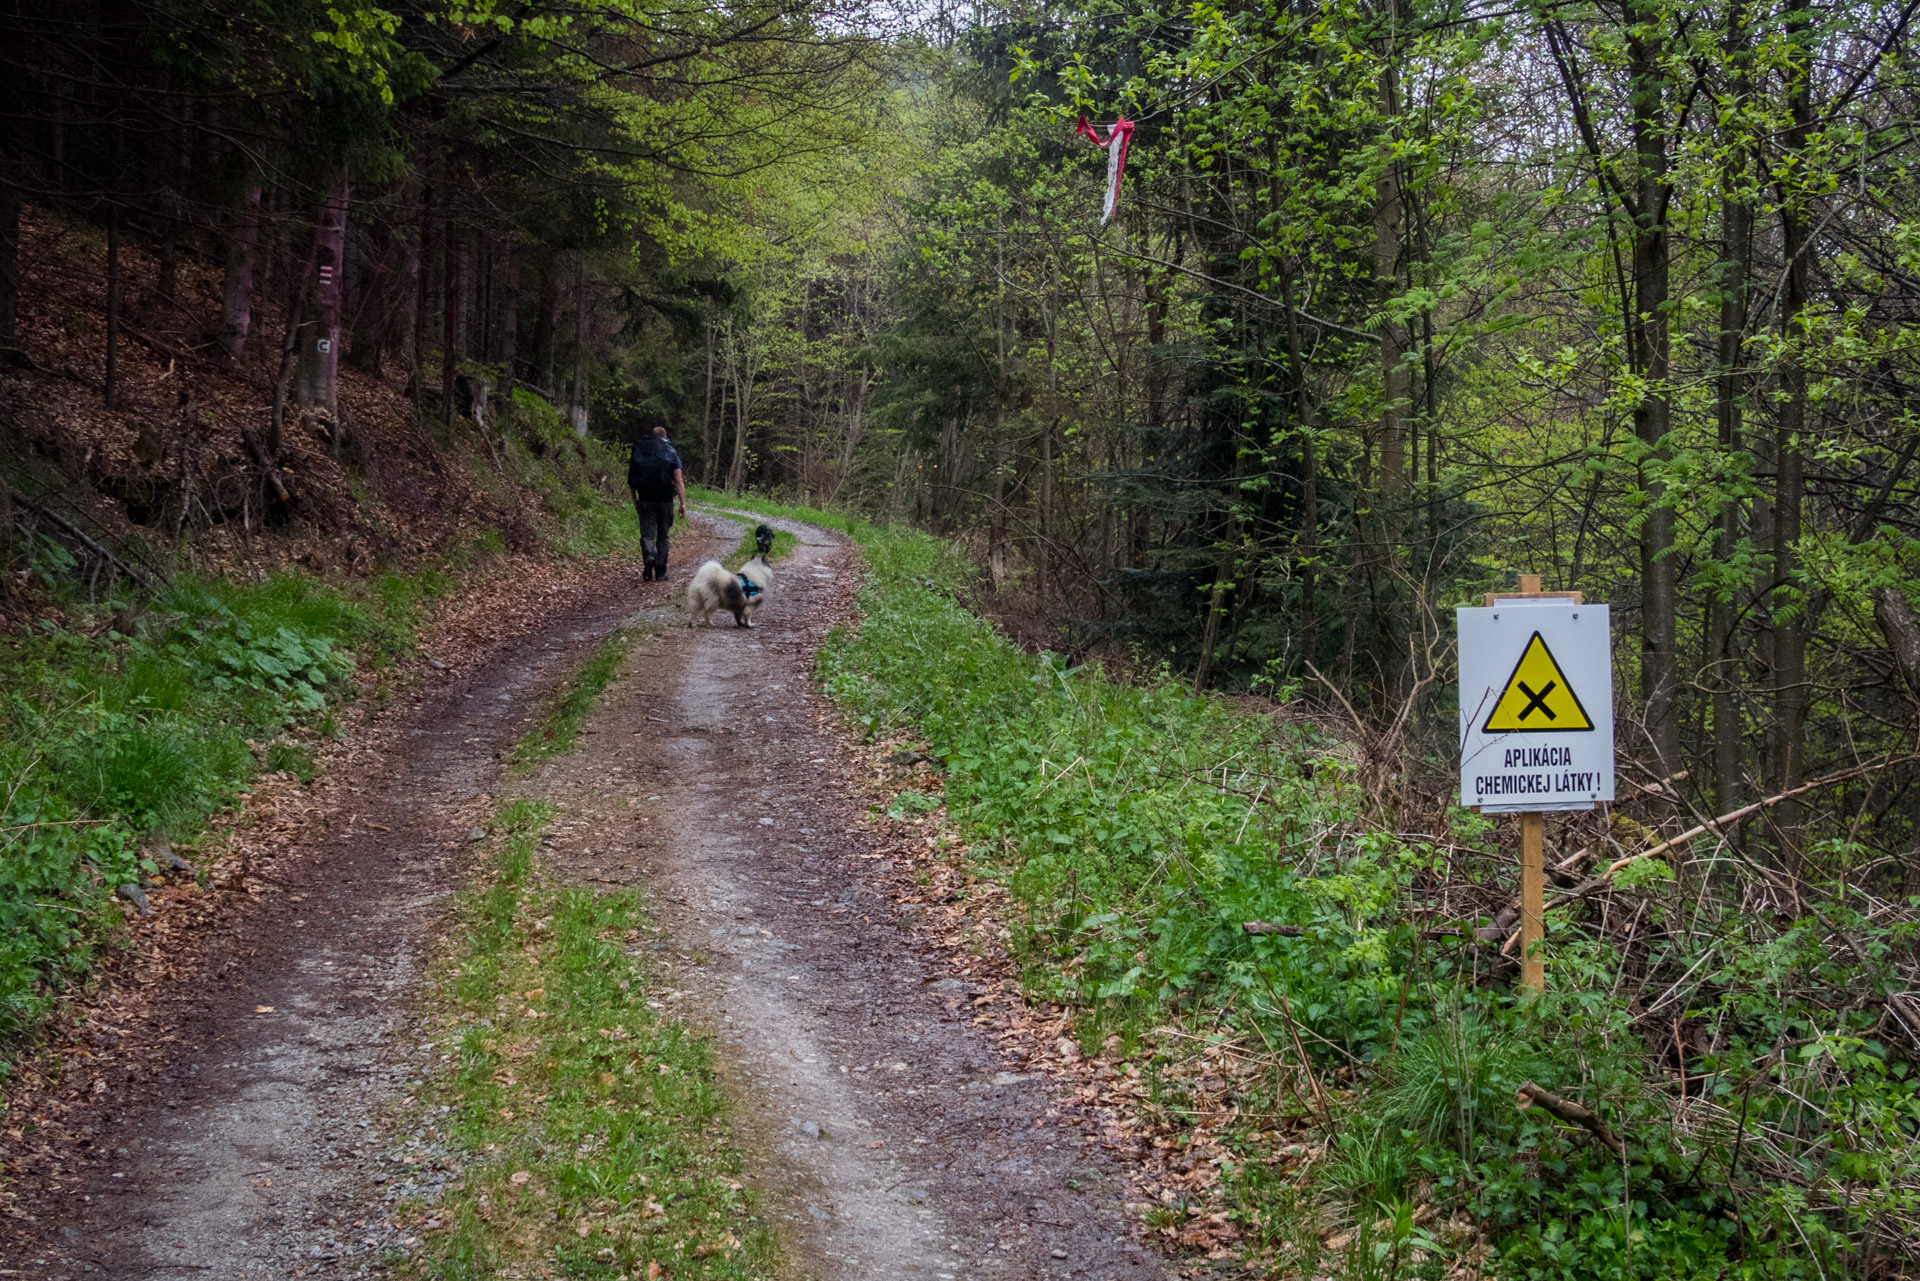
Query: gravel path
x,y
885,1132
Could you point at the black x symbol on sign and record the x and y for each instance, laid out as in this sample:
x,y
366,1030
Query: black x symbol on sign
x,y
1536,700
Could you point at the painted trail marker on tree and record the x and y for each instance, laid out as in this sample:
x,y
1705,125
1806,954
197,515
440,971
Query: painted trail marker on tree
x,y
1536,723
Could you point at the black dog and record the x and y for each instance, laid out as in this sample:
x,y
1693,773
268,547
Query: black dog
x,y
763,539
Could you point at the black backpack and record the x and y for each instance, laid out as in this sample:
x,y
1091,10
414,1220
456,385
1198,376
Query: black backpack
x,y
650,470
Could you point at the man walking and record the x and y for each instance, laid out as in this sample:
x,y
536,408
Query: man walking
x,y
654,476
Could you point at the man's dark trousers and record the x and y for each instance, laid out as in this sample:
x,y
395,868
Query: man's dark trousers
x,y
655,520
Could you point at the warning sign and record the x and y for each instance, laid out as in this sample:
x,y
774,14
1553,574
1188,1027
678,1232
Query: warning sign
x,y
1536,706
1538,697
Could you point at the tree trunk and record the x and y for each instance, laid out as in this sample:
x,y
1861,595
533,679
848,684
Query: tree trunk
x,y
1659,598
710,464
463,298
237,305
174,139
1433,435
578,405
296,316
1216,608
1895,617
1043,554
1729,392
9,269
1394,388
947,477
510,325
1308,560
742,415
113,307
272,258
373,319
898,487
452,310
1389,500
706,413
57,132
320,346
997,518
422,300
1790,624
547,324
482,347
856,409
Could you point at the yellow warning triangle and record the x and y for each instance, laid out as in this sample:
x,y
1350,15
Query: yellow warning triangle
x,y
1538,698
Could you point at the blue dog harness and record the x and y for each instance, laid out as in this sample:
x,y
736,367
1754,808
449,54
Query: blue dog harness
x,y
748,586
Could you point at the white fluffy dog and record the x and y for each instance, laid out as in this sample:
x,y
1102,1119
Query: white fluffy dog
x,y
714,587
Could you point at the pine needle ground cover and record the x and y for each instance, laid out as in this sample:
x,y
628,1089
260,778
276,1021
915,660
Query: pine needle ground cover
x,y
1365,1056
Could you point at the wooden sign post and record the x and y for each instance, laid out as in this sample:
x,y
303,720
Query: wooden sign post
x,y
1533,899
1536,725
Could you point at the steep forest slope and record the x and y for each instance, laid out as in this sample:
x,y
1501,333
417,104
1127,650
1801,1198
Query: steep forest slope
x,y
181,453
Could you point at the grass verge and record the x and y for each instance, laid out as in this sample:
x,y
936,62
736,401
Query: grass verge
x,y
591,1125
137,719
853,526
559,724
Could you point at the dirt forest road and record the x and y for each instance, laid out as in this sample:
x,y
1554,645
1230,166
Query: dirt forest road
x,y
885,1133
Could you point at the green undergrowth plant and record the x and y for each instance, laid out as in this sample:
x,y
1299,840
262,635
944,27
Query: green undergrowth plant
x,y
1140,829
591,1127
583,509
139,718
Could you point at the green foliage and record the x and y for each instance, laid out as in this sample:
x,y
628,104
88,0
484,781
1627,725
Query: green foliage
x,y
584,510
284,757
911,802
1133,860
54,876
139,717
1454,1080
536,419
725,502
